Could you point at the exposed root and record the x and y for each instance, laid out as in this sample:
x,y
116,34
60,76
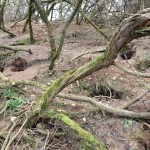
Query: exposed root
x,y
101,106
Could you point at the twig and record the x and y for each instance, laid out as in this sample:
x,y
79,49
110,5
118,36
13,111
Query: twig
x,y
147,125
14,137
76,57
8,136
18,141
4,108
15,49
47,138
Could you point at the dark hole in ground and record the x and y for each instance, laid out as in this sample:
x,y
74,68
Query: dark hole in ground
x,y
106,91
127,55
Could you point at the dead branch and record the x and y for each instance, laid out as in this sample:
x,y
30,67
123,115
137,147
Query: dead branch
x,y
136,99
101,106
3,110
4,30
19,21
146,75
25,136
8,136
10,83
76,57
15,49
14,137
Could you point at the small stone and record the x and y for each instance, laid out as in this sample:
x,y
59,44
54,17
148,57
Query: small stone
x,y
114,78
13,119
84,119
48,83
73,105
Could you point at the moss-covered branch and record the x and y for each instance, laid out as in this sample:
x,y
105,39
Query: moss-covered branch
x,y
120,39
81,132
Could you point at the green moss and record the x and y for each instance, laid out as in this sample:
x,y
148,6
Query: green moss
x,y
81,132
25,41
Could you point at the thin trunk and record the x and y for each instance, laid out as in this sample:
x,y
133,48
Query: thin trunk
x,y
2,6
30,21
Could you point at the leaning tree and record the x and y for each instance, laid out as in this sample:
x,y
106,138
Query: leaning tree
x,y
131,28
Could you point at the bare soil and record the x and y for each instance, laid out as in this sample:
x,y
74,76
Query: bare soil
x,y
117,133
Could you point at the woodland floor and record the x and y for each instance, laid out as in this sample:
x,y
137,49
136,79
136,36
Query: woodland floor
x,y
117,133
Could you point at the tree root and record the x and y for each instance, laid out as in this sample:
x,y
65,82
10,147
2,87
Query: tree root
x,y
101,106
115,111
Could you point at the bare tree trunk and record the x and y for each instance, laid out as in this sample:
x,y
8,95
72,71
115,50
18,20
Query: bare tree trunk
x,y
55,52
2,6
30,21
31,10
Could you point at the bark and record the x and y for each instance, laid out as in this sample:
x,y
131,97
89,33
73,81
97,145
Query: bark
x,y
30,21
2,6
126,33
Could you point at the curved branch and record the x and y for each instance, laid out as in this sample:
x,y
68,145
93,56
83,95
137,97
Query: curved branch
x,y
124,35
146,75
101,106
